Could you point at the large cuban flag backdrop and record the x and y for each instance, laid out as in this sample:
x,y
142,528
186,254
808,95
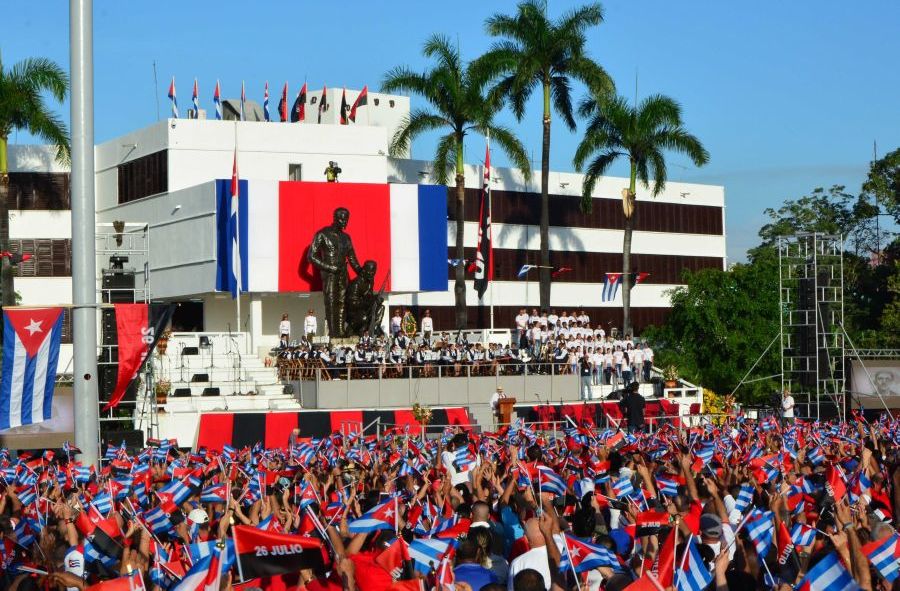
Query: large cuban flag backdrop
x,y
31,339
401,227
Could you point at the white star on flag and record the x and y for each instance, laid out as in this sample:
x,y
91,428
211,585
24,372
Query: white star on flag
x,y
389,513
34,326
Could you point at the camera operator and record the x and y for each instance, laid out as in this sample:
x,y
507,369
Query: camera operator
x,y
332,172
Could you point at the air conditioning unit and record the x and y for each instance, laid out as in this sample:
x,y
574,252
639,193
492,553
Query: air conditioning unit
x,y
198,114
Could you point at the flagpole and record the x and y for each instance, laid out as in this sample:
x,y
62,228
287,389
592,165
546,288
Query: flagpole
x,y
237,231
490,198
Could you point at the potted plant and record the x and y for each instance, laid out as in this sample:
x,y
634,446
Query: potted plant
x,y
670,375
162,389
163,343
422,414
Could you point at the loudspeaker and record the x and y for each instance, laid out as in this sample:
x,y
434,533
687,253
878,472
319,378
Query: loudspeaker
x,y
108,330
806,299
107,375
118,286
210,392
181,392
288,389
133,438
200,377
190,351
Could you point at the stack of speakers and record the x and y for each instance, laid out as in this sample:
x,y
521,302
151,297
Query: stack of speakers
x,y
117,288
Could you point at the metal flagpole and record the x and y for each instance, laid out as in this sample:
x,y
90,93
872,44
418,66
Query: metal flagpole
x,y
237,234
84,262
490,206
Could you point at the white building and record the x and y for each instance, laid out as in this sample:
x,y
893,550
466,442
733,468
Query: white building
x,y
162,175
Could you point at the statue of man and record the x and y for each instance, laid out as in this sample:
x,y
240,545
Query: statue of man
x,y
330,251
365,307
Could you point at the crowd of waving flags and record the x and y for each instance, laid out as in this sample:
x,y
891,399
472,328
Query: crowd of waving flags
x,y
296,113
153,485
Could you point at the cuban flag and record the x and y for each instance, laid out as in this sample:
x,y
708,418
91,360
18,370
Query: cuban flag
x,y
205,575
30,355
667,484
235,279
583,556
427,553
694,576
802,535
201,550
828,575
157,520
173,99
383,516
195,100
744,498
623,488
402,227
178,490
611,282
217,101
524,269
551,482
266,102
216,493
884,554
761,530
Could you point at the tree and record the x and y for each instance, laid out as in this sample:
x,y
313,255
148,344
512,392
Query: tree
x,y
883,182
537,52
459,105
719,325
643,134
22,106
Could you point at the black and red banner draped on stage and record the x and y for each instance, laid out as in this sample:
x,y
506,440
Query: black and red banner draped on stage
x,y
594,412
267,554
274,429
138,328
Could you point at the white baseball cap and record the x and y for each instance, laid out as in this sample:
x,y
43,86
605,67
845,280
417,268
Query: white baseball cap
x,y
198,516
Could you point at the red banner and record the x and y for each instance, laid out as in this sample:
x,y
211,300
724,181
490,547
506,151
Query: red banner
x,y
265,554
134,343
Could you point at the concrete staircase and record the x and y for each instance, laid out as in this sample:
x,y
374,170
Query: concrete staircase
x,y
196,362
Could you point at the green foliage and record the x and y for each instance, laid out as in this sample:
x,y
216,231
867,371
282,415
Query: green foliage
x,y
890,318
883,182
458,104
720,322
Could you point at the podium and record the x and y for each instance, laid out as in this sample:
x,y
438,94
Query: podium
x,y
504,410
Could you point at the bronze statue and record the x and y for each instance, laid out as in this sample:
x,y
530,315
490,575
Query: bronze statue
x,y
330,252
365,308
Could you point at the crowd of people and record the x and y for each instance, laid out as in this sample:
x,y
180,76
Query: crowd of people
x,y
540,344
741,504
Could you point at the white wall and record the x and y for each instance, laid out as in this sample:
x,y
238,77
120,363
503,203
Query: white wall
x,y
40,223
182,239
31,158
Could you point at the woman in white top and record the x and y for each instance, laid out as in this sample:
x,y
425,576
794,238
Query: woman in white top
x,y
284,329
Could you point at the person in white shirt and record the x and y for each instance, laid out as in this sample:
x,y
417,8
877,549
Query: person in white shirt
x,y
553,319
521,325
495,403
536,558
648,362
284,330
427,326
310,325
787,407
637,362
395,323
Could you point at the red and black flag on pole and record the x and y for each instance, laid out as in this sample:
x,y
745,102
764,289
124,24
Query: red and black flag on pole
x,y
138,328
298,111
483,265
361,101
323,103
282,105
638,278
268,554
559,271
345,109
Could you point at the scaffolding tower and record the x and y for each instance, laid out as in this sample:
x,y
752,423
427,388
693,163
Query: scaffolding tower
x,y
123,258
811,298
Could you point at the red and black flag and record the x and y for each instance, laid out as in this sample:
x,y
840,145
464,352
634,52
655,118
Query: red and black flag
x,y
637,278
268,554
559,271
323,103
483,265
282,105
298,111
648,523
345,109
361,101
106,537
138,328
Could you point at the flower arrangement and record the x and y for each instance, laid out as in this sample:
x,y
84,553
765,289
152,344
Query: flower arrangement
x,y
421,413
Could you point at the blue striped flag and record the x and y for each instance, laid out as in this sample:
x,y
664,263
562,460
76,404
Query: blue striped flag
x,y
694,576
426,553
884,555
802,535
828,575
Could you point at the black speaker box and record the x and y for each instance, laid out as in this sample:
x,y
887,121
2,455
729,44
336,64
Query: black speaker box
x,y
210,392
190,351
133,438
200,377
118,286
182,392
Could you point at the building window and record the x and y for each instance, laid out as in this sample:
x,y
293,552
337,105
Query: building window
x,y
295,172
38,190
391,103
49,258
313,100
144,176
376,101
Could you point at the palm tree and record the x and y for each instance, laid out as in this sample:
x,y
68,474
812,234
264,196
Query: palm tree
x,y
459,104
641,133
23,107
536,52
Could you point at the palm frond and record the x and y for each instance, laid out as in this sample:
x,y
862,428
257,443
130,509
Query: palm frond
x,y
445,159
561,93
580,18
511,146
416,123
41,74
595,170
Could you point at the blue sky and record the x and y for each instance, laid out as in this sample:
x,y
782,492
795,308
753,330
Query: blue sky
x,y
786,96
